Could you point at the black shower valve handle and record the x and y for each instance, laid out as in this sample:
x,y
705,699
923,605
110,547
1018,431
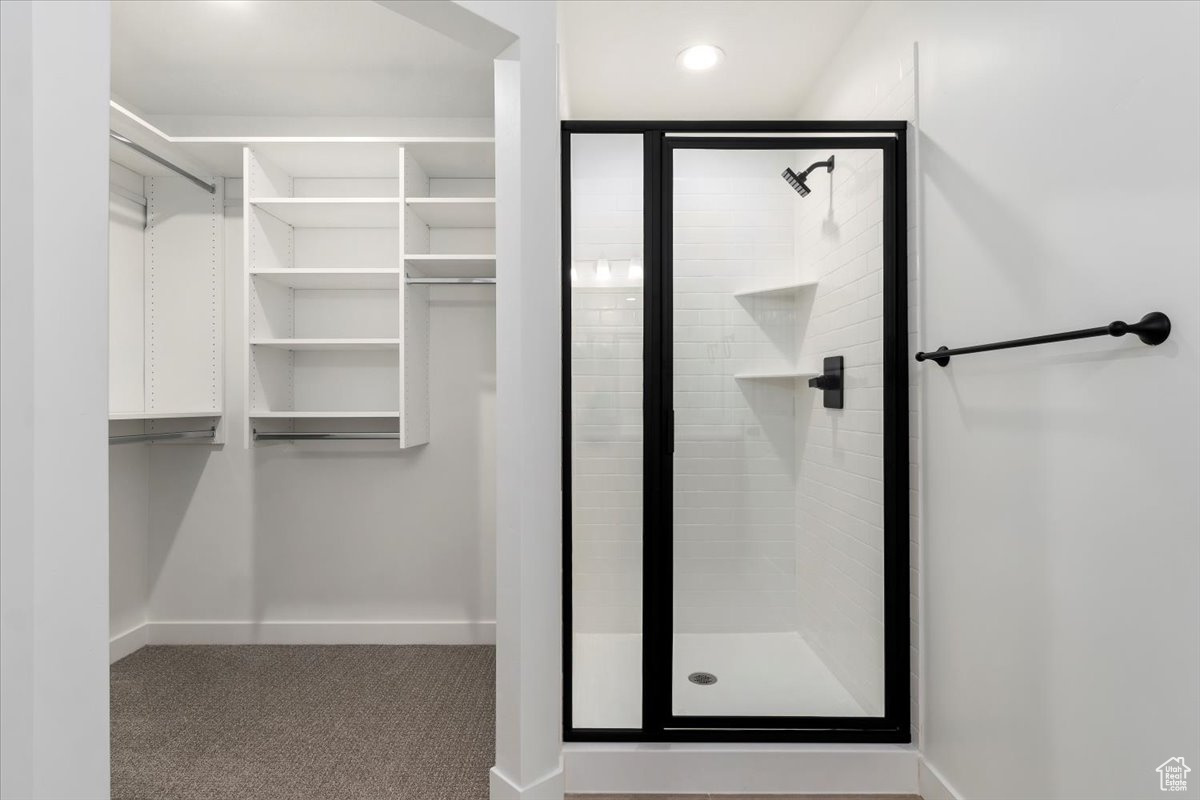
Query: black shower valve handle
x,y
825,382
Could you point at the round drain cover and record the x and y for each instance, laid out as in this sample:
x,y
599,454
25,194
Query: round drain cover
x,y
703,678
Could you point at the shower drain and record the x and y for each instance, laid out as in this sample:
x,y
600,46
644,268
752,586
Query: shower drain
x,y
703,678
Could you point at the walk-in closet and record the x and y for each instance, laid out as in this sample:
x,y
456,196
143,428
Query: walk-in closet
x,y
302,262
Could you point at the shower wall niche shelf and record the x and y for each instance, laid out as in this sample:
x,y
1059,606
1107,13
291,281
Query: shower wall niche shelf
x,y
777,289
774,376
166,289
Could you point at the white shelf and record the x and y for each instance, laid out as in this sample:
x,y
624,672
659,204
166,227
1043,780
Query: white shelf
x,y
149,415
324,414
455,212
327,344
452,266
307,278
778,289
774,376
332,212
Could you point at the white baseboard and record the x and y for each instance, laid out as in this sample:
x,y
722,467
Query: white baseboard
x,y
548,787
178,633
933,786
126,643
740,768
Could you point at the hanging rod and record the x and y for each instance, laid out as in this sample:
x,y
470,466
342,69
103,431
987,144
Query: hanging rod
x,y
162,436
211,188
449,281
1154,328
328,437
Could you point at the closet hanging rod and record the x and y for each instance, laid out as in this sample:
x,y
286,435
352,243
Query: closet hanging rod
x,y
1154,328
203,184
328,437
449,281
162,436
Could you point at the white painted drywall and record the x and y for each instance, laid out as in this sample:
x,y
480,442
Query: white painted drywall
x,y
128,465
53,400
1061,569
333,542
128,536
529,369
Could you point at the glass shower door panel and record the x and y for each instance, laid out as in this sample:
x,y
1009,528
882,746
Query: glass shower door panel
x,y
606,431
778,501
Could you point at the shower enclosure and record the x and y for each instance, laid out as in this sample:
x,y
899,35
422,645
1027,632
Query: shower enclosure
x,y
736,543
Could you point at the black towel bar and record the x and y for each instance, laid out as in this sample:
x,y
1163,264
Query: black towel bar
x,y
1154,328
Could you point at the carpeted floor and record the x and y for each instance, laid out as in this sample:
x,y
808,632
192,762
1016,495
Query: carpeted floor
x,y
300,723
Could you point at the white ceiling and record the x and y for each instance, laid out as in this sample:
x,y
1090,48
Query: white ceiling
x,y
289,58
619,56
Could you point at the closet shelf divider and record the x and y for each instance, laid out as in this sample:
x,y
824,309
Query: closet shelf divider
x,y
316,278
328,344
332,212
454,212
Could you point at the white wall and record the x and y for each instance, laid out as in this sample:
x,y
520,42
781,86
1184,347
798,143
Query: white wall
x,y
128,465
323,542
529,444
53,487
734,464
1061,646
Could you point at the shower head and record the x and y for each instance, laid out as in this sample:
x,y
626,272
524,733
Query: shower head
x,y
797,181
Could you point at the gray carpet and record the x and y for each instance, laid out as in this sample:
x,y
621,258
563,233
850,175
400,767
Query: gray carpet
x,y
293,723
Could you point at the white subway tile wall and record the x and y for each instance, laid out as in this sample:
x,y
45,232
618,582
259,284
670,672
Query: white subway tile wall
x,y
734,464
839,490
606,386
888,91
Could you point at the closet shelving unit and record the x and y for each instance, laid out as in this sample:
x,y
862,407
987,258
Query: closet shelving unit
x,y
165,297
791,294
337,336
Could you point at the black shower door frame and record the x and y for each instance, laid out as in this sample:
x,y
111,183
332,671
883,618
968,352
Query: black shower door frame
x,y
660,142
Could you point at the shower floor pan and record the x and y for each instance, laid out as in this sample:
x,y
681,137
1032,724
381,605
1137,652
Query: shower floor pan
x,y
758,674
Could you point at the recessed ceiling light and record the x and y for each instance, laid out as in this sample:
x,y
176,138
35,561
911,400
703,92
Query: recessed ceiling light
x,y
700,57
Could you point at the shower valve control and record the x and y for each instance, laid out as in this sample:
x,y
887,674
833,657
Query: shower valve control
x,y
830,383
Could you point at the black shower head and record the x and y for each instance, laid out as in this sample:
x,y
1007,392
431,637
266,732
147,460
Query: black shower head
x,y
797,181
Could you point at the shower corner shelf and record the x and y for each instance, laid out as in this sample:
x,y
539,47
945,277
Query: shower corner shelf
x,y
778,375
794,287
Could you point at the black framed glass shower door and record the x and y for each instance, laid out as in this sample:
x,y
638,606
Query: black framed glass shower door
x,y
772,599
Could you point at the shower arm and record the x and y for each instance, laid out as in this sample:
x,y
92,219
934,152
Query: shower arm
x,y
828,164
